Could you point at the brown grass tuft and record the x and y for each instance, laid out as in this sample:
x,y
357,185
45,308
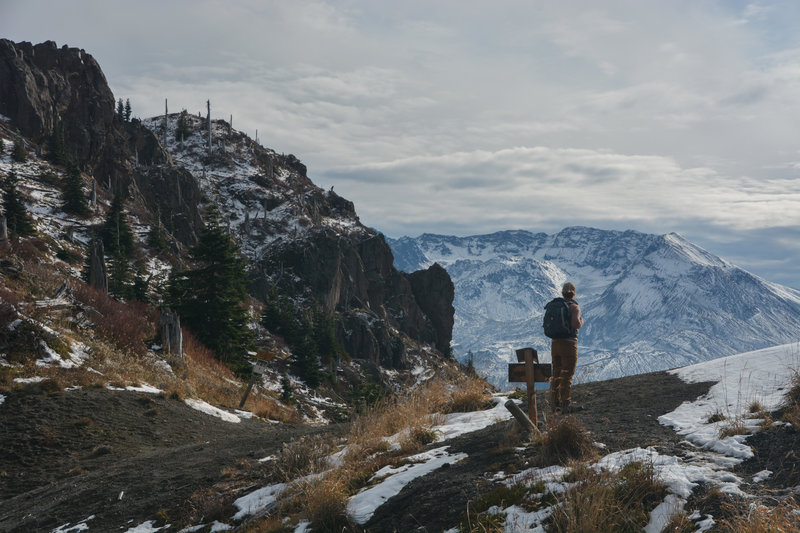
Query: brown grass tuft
x,y
325,503
609,502
471,394
567,440
760,519
301,457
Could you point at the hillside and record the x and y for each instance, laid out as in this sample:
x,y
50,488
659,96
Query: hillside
x,y
651,302
144,462
305,250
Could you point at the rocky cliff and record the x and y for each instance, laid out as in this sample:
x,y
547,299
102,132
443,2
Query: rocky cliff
x,y
301,240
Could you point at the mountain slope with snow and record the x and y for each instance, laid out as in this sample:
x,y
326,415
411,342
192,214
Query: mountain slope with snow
x,y
651,302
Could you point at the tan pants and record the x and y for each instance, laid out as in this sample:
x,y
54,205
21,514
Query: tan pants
x,y
565,359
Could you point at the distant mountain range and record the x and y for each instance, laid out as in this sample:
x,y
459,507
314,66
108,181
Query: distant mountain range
x,y
651,302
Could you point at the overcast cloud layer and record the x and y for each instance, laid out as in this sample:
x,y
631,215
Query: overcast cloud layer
x,y
465,117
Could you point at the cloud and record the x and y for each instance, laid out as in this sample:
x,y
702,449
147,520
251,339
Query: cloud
x,y
530,187
464,117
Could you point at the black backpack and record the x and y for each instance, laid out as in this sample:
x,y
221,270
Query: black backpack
x,y
556,322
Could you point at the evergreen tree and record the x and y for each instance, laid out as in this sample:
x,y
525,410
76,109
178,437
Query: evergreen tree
x,y
120,110
17,220
182,129
2,146
140,285
128,110
329,347
211,297
19,154
117,235
120,278
74,197
155,236
57,151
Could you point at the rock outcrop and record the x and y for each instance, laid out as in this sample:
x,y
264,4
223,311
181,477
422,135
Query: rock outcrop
x,y
304,241
42,86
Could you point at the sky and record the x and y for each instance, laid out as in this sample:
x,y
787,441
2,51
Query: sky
x,y
466,117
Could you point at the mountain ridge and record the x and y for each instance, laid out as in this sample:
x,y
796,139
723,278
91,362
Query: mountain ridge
x,y
651,302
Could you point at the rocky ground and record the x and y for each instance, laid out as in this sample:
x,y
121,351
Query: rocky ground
x,y
127,457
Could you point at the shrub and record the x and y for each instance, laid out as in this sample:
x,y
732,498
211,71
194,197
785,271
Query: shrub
x,y
127,325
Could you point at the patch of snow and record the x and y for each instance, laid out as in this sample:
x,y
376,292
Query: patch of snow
x,y
2,399
661,515
208,409
519,520
363,505
460,423
258,500
80,526
35,379
760,376
147,527
757,478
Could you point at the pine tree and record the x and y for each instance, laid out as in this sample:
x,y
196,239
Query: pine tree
x,y
140,285
128,110
117,235
57,151
19,154
74,197
120,279
120,110
2,146
182,130
18,222
155,236
211,297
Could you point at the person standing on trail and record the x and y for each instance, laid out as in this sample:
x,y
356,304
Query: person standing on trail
x,y
562,320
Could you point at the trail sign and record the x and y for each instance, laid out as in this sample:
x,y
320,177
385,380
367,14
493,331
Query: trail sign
x,y
542,372
260,368
530,372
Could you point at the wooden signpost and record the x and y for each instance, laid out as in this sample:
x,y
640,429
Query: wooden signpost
x,y
259,369
530,372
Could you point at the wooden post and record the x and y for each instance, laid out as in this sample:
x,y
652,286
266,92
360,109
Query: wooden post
x,y
523,420
247,390
258,370
531,386
529,371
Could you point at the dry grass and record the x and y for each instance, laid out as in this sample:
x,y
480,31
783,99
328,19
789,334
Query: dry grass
x,y
792,415
612,502
566,441
785,518
325,503
411,416
470,394
734,427
302,457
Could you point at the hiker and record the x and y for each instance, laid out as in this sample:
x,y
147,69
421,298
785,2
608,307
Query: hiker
x,y
564,317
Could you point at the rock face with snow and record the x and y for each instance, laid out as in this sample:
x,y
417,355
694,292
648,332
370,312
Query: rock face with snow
x,y
651,302
299,239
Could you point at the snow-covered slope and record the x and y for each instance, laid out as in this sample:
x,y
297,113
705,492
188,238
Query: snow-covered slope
x,y
651,302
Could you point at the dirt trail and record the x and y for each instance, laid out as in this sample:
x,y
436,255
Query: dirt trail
x,y
127,457
123,457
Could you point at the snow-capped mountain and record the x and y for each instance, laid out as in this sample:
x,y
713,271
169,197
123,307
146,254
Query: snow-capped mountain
x,y
651,302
